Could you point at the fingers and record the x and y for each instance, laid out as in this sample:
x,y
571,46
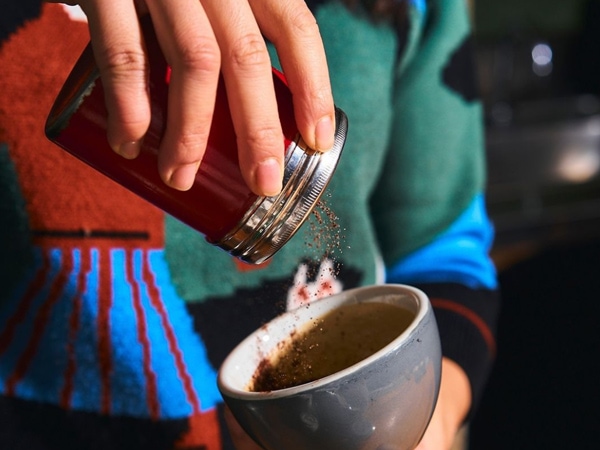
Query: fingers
x,y
190,48
200,39
293,30
119,53
248,79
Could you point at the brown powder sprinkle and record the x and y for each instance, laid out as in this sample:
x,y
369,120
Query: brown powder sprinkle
x,y
328,237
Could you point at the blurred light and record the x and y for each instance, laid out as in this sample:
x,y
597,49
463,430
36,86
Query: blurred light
x,y
542,54
592,127
542,60
542,71
578,165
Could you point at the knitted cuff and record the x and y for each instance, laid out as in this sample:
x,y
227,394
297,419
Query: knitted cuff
x,y
466,321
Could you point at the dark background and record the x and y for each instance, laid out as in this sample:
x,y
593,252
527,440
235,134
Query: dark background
x,y
543,145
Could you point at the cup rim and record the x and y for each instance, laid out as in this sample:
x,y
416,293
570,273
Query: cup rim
x,y
361,294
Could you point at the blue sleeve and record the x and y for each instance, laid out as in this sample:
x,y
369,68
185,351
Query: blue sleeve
x,y
458,255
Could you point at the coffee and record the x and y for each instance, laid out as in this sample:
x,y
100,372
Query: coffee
x,y
328,344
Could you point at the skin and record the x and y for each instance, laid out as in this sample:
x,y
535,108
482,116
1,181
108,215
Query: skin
x,y
200,39
453,404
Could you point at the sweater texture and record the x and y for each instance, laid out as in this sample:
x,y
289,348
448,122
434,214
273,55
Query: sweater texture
x,y
115,317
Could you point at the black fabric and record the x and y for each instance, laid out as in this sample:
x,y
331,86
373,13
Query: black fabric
x,y
462,339
460,72
15,13
313,4
26,425
16,253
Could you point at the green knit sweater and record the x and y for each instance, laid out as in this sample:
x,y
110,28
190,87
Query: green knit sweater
x,y
115,317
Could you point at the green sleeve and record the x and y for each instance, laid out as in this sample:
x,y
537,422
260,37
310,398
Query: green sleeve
x,y
435,160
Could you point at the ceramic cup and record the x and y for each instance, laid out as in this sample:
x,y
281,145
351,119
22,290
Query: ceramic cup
x,y
383,402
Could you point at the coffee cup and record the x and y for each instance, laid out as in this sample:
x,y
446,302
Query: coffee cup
x,y
358,391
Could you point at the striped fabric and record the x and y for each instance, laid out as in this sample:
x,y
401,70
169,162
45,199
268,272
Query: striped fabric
x,y
57,342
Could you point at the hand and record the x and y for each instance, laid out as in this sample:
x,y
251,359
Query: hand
x,y
453,403
200,39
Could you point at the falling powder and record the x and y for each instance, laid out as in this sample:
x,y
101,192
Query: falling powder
x,y
327,234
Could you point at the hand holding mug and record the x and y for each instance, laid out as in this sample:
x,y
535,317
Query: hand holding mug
x,y
359,370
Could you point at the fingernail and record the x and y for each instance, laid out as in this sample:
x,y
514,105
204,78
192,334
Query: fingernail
x,y
324,134
183,177
129,150
268,177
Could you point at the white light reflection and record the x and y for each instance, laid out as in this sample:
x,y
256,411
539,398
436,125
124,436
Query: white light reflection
x,y
541,54
578,165
75,13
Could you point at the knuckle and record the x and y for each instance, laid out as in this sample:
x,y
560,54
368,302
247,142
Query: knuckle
x,y
122,62
191,145
265,137
202,56
249,52
302,21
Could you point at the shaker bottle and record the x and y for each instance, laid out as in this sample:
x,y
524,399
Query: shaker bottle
x,y
219,205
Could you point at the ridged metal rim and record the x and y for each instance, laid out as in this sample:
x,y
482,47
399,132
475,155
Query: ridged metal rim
x,y
272,221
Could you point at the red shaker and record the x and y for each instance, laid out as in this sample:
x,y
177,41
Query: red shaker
x,y
219,205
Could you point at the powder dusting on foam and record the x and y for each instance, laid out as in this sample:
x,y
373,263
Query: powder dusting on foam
x,y
337,340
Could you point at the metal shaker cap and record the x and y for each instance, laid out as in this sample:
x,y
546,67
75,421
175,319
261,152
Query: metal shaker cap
x,y
272,221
